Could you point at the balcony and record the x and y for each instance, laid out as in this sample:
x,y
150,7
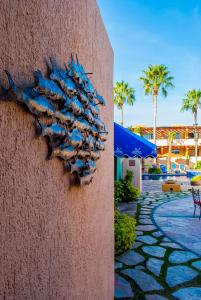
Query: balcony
x,y
178,142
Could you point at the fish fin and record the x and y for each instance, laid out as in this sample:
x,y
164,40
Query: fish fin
x,y
4,90
53,63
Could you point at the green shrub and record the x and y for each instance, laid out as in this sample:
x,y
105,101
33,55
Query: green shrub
x,y
124,232
154,171
124,191
198,167
196,178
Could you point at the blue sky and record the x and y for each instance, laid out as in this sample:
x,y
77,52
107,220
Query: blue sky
x,y
144,32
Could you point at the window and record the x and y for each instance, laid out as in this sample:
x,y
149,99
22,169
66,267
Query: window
x,y
178,136
176,151
191,135
148,136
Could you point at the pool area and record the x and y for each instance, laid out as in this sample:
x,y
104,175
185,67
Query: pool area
x,y
178,177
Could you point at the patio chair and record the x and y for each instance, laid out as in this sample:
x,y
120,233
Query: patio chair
x,y
196,200
163,169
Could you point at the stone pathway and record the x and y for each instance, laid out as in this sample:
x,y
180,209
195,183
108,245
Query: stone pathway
x,y
165,261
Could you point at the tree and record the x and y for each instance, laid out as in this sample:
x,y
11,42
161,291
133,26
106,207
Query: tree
x,y
171,137
123,94
192,102
156,79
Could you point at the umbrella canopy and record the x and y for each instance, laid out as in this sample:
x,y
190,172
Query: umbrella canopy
x,y
129,144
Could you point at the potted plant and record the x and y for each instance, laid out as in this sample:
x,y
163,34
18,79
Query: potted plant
x,y
196,180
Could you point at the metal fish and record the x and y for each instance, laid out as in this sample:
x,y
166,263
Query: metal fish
x,y
99,99
94,109
76,106
65,117
90,142
103,136
86,178
53,130
60,76
78,166
81,124
100,125
91,166
83,153
94,131
76,138
95,155
100,145
64,152
84,99
48,87
37,105
88,115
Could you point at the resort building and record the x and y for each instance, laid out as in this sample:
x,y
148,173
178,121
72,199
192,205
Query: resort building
x,y
182,146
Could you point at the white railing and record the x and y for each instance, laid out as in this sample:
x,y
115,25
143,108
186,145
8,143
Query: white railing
x,y
179,142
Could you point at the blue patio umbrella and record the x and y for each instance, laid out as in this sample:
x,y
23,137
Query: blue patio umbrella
x,y
129,144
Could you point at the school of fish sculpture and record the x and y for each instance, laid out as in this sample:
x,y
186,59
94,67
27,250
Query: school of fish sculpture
x,y
66,107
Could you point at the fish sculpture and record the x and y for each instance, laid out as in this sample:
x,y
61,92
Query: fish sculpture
x,y
76,138
67,84
91,165
64,152
37,105
48,87
66,107
78,166
53,130
64,117
86,178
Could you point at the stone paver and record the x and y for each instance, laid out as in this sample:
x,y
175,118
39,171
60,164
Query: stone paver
x,y
118,265
154,265
197,265
130,258
157,234
171,245
146,221
154,250
155,297
190,293
179,274
181,257
146,227
136,245
146,282
147,239
122,288
139,232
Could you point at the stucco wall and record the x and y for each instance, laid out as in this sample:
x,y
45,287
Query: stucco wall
x,y
56,241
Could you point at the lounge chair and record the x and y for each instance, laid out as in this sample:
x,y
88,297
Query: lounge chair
x,y
163,169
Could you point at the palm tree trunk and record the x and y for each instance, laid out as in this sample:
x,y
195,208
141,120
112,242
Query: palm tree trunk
x,y
121,118
155,117
169,156
196,139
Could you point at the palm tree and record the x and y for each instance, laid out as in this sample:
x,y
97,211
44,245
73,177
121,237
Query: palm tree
x,y
171,137
123,94
192,102
156,79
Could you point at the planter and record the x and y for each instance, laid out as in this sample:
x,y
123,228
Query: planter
x,y
196,183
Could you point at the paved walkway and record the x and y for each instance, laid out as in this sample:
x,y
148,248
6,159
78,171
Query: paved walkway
x,y
165,262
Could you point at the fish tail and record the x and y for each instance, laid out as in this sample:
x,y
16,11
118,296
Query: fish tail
x,y
4,90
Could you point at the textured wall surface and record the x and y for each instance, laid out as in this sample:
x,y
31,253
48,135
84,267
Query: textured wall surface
x,y
56,241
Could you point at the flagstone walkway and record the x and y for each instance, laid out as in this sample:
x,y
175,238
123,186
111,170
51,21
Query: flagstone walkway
x,y
165,261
